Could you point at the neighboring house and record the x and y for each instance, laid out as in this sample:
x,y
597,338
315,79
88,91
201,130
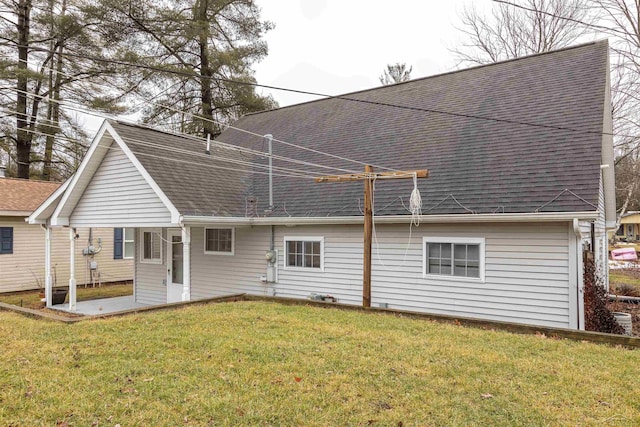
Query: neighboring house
x,y
22,246
630,226
521,182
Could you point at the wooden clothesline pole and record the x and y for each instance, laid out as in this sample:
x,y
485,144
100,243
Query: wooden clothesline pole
x,y
368,177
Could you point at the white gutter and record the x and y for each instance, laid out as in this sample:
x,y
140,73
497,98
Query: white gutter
x,y
393,219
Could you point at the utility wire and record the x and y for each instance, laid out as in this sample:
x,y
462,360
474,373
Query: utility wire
x,y
226,125
289,171
191,137
339,97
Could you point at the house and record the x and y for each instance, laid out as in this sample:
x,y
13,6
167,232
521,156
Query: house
x,y
22,246
629,226
521,182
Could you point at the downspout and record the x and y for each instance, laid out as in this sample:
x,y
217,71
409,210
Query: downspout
x,y
579,275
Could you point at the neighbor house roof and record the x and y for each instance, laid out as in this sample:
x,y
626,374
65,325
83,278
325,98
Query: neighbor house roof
x,y
19,197
520,136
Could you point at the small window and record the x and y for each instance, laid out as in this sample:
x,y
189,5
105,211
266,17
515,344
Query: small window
x,y
219,241
123,243
6,240
304,252
129,243
454,257
151,247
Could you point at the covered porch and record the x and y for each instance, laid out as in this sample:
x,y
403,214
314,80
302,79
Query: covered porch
x,y
102,306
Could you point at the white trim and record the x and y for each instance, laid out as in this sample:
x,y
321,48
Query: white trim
x,y
125,241
233,241
392,219
97,142
158,233
303,239
455,240
175,215
34,217
73,181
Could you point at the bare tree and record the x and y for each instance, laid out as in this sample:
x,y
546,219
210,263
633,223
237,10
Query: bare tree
x,y
508,32
396,73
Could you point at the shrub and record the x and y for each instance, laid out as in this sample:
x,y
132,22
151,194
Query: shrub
x,y
597,316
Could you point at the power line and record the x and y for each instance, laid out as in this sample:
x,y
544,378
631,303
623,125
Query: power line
x,y
338,97
291,172
577,21
192,137
226,125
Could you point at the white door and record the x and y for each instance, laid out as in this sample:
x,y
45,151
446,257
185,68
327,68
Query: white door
x,y
175,266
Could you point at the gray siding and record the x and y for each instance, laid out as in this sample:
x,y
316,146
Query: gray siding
x,y
119,196
215,275
526,277
24,269
150,286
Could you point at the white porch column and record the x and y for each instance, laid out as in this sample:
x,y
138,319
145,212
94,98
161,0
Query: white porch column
x,y
186,260
48,282
72,269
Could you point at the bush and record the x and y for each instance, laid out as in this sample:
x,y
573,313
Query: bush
x,y
597,316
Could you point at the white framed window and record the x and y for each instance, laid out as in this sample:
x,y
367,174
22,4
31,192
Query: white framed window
x,y
305,253
151,246
453,258
219,241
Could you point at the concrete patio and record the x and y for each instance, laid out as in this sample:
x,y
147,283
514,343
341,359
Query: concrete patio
x,y
102,306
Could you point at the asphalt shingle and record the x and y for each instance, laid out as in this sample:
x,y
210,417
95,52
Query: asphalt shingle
x,y
507,137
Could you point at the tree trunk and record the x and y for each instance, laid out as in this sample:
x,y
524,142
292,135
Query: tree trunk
x,y
54,108
205,70
23,139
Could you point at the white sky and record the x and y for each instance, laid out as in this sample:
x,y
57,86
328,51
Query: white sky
x,y
339,46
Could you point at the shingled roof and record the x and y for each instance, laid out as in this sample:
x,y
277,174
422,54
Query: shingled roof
x,y
519,136
20,197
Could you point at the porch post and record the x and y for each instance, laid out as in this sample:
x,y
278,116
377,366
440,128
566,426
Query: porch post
x,y
48,291
186,259
72,269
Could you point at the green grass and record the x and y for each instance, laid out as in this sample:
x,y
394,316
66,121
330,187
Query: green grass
x,y
261,363
32,300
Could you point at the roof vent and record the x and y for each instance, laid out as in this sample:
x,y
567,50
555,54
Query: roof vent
x,y
2,171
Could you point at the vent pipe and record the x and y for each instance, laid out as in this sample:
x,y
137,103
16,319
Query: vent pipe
x,y
208,144
2,171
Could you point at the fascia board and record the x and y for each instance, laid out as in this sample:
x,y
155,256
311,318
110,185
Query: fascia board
x,y
36,217
395,219
175,215
55,218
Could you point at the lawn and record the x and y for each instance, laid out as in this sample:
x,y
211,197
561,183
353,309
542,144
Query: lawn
x,y
625,281
31,299
262,363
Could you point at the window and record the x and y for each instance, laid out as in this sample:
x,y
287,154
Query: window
x,y
151,246
304,252
6,240
123,243
219,241
454,257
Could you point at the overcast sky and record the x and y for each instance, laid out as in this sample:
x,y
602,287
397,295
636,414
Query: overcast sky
x,y
338,46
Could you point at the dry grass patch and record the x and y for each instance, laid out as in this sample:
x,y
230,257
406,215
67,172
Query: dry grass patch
x,y
260,363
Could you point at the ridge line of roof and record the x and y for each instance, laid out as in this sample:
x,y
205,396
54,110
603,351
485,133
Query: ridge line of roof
x,y
343,95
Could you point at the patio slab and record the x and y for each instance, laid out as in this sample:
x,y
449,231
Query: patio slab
x,y
102,306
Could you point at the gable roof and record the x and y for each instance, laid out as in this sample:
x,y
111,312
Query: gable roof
x,y
476,164
19,197
521,136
